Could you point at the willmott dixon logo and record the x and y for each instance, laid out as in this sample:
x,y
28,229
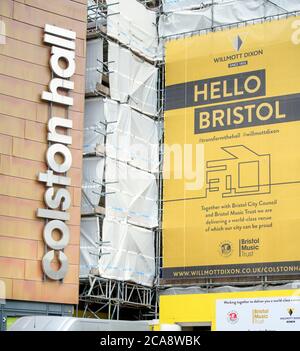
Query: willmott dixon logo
x,y
237,43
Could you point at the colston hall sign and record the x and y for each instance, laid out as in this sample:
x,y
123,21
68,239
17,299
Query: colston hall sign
x,y
58,157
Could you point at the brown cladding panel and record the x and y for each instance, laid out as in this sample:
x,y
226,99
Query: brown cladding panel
x,y
6,144
21,228
37,131
16,207
7,286
25,52
29,149
29,169
22,188
33,73
15,87
39,18
80,1
34,54
69,9
34,35
34,150
27,209
76,196
19,68
24,75
16,126
12,106
6,8
31,229
12,268
20,167
42,115
33,271
45,291
18,248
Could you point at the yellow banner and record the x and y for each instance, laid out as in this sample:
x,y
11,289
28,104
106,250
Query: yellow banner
x,y
232,153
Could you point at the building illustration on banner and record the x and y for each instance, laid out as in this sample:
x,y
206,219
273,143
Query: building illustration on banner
x,y
244,173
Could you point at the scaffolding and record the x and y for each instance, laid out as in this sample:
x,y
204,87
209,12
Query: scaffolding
x,y
184,18
111,295
99,294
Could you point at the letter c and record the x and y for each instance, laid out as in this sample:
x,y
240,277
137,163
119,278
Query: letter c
x,y
50,273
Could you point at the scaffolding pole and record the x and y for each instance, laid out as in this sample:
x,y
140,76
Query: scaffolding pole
x,y
99,294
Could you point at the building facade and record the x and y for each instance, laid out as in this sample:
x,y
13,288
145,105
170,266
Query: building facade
x,y
25,73
105,229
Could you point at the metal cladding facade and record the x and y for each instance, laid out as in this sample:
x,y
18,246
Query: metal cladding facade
x,y
232,109
26,71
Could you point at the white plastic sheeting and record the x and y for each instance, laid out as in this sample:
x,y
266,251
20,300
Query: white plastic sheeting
x,y
228,289
129,253
132,80
94,64
179,5
89,245
131,195
184,21
133,25
94,125
133,138
239,11
287,5
93,169
223,13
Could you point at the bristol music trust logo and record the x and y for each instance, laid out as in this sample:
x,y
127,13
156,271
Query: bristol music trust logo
x,y
225,248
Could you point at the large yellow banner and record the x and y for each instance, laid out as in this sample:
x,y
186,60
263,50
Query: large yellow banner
x,y
232,153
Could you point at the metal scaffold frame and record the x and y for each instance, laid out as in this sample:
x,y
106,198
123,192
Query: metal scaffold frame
x,y
100,294
216,27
